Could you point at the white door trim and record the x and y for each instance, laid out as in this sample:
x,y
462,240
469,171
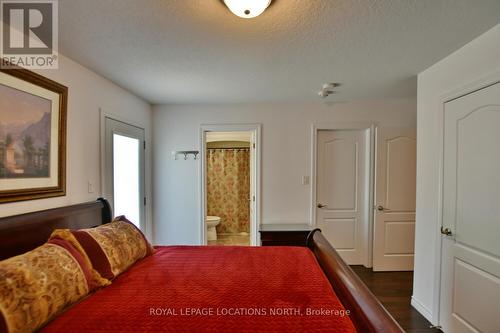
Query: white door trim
x,y
103,114
452,94
256,129
370,127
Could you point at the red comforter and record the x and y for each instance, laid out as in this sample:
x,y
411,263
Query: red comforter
x,y
213,289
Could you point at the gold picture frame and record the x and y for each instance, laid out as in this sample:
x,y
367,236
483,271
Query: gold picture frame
x,y
33,112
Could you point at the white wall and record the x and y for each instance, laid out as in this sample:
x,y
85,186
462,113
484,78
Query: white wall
x,y
286,144
466,67
87,93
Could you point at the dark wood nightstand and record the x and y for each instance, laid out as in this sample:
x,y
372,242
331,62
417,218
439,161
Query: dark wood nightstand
x,y
284,234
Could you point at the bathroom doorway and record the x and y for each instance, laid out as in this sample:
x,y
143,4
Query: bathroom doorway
x,y
229,206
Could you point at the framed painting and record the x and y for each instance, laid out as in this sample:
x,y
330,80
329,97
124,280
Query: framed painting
x,y
32,136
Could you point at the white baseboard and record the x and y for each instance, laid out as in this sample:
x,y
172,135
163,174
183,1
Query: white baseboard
x,y
424,311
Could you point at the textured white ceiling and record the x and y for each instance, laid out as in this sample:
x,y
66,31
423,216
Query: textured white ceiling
x,y
196,51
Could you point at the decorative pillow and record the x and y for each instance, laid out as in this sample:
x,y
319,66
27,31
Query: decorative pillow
x,y
38,285
112,248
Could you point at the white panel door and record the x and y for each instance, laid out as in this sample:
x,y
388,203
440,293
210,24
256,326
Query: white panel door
x,y
342,191
395,192
470,272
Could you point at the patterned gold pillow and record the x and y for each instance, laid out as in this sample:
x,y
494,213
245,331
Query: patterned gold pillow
x,y
38,285
112,248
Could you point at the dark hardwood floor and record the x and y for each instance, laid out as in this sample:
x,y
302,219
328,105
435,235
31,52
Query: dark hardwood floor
x,y
394,289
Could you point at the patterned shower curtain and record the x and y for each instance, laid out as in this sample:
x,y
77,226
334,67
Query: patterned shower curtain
x,y
228,188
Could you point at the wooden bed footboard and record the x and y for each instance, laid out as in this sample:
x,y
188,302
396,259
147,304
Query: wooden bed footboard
x,y
367,314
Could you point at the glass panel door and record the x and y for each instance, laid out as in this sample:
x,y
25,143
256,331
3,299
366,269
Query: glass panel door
x,y
124,174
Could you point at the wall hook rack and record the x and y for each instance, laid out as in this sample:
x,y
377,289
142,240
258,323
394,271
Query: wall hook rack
x,y
185,154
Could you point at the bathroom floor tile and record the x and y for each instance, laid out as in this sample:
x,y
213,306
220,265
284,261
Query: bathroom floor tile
x,y
231,239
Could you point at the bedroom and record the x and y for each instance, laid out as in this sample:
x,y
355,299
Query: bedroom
x,y
176,68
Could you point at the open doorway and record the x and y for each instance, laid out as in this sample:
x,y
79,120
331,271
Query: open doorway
x,y
229,207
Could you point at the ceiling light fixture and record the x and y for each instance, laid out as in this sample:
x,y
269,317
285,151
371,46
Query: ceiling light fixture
x,y
247,8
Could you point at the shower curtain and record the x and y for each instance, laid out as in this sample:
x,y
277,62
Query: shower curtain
x,y
228,188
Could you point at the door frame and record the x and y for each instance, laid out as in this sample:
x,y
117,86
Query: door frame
x,y
369,127
103,114
256,130
458,92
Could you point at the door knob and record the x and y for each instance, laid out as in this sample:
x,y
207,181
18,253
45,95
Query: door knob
x,y
321,206
446,231
380,208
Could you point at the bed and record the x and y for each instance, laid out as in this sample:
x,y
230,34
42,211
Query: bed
x,y
210,289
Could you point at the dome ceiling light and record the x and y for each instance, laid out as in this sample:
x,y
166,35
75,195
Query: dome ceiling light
x,y
247,8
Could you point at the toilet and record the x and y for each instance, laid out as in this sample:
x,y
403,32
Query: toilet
x,y
212,222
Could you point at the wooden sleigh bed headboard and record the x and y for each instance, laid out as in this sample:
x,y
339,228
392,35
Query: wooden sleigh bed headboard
x,y
22,233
